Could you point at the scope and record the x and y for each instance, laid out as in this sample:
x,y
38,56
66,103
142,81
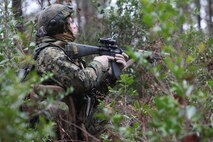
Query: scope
x,y
107,41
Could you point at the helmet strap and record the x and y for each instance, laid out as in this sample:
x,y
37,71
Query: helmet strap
x,y
41,32
65,36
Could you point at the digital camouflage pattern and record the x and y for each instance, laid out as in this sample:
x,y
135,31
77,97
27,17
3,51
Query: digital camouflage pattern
x,y
70,73
54,21
50,12
90,83
66,72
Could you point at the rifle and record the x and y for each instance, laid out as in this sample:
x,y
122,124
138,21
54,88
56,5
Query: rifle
x,y
108,47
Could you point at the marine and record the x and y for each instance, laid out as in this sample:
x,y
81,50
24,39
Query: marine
x,y
72,113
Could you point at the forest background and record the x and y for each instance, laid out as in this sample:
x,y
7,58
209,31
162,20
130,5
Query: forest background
x,y
167,100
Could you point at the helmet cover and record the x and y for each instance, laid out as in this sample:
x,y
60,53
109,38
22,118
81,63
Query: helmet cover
x,y
52,19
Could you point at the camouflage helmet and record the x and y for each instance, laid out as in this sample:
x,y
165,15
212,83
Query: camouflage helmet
x,y
53,19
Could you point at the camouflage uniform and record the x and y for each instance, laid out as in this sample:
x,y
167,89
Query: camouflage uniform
x,y
73,121
71,73
68,72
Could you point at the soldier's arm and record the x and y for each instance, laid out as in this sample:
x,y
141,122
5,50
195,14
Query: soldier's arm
x,y
54,60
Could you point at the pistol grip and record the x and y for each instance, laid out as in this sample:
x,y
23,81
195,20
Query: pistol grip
x,y
116,71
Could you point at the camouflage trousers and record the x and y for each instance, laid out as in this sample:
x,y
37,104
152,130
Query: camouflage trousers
x,y
69,114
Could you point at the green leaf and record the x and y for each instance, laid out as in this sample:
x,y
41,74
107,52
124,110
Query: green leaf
x,y
147,19
189,59
136,104
136,125
190,111
189,90
117,118
177,88
210,83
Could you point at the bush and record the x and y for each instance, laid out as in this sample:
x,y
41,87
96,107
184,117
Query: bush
x,y
174,99
14,123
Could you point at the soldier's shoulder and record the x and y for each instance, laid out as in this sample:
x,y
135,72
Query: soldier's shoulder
x,y
52,48
54,52
51,52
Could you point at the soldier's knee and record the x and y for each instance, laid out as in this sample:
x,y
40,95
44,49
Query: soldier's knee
x,y
53,110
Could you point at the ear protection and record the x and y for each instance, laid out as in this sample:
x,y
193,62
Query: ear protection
x,y
56,25
52,23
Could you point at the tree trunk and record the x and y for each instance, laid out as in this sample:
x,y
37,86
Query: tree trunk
x,y
78,15
17,11
197,2
210,22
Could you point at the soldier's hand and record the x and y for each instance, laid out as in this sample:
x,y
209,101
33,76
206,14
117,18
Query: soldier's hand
x,y
121,59
104,60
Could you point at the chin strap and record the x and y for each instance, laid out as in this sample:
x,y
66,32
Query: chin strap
x,y
65,36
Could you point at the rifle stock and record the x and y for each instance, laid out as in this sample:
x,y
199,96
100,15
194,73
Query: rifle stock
x,y
76,50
